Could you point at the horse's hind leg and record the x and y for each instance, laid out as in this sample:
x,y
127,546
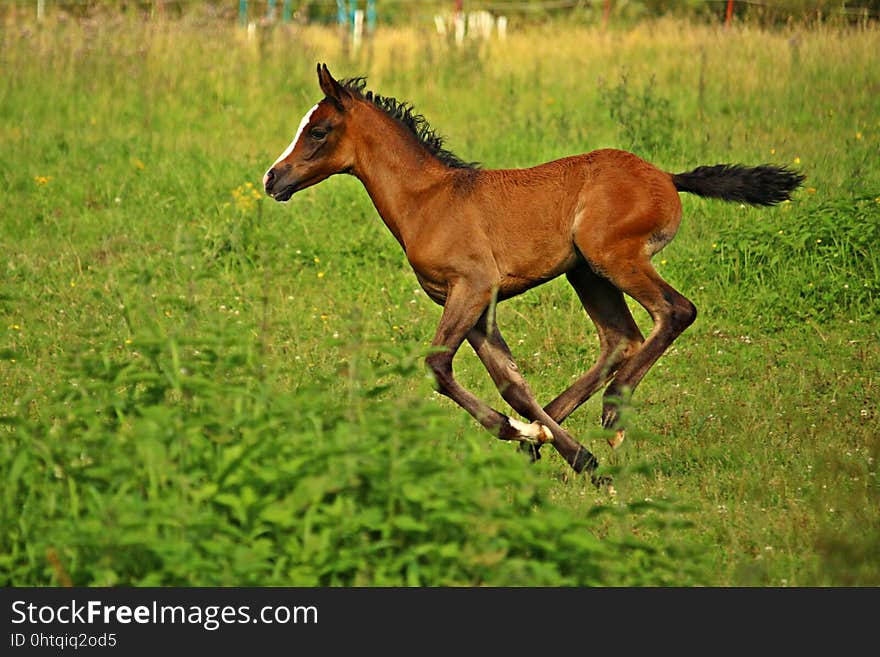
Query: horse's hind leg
x,y
619,339
672,314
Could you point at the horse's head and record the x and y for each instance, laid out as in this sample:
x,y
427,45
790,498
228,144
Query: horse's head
x,y
319,149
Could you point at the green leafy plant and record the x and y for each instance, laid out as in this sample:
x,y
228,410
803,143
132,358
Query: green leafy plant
x,y
174,464
815,263
643,117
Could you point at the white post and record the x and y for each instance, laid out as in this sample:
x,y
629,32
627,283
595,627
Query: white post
x,y
358,29
41,9
501,25
459,28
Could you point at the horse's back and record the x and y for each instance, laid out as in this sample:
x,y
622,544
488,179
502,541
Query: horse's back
x,y
531,225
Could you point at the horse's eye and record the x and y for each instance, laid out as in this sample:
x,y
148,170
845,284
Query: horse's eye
x,y
318,133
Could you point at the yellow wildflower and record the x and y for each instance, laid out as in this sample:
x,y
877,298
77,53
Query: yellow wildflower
x,y
245,196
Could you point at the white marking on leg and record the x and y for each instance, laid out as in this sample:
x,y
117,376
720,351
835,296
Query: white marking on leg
x,y
525,430
302,126
617,440
534,432
546,435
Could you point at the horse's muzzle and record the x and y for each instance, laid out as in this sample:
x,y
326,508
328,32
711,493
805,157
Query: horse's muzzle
x,y
269,181
274,189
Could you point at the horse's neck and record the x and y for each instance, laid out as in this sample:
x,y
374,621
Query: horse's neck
x,y
399,176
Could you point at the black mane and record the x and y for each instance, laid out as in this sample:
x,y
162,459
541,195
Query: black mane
x,y
405,114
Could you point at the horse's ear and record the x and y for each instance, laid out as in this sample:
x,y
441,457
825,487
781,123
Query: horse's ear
x,y
331,88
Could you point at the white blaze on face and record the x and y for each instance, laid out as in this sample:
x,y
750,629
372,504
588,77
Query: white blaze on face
x,y
299,130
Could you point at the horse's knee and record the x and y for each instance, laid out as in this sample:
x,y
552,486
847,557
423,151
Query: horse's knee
x,y
440,364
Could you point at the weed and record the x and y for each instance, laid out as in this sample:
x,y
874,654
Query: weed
x,y
643,117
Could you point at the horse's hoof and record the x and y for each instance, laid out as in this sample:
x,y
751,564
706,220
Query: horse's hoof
x,y
605,482
617,440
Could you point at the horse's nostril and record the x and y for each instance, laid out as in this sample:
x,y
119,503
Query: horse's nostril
x,y
268,179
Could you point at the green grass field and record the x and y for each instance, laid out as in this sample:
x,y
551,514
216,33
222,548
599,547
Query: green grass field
x,y
199,386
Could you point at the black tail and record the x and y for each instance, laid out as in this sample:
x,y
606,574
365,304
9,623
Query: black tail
x,y
763,185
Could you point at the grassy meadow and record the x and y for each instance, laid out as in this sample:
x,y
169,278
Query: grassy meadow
x,y
199,386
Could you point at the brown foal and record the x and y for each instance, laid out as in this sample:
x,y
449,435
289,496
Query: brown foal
x,y
475,237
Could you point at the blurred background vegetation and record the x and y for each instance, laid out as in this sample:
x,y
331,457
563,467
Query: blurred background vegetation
x,y
398,12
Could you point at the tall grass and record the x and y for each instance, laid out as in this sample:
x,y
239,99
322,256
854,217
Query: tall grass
x,y
199,386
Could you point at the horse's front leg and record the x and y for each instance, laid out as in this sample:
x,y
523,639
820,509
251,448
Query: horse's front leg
x,y
486,339
465,304
463,307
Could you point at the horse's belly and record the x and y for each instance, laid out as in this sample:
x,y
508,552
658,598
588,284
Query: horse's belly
x,y
434,289
534,266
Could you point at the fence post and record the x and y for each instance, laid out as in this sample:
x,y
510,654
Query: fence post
x,y
287,11
729,13
342,20
41,9
352,10
341,13
357,29
371,16
242,12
